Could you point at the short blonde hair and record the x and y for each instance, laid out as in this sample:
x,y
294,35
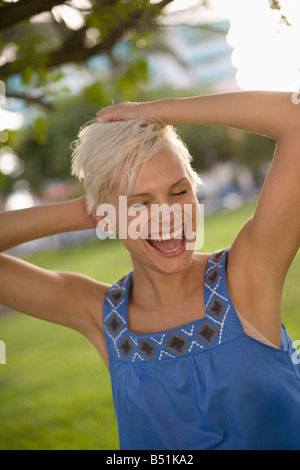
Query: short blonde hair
x,y
107,154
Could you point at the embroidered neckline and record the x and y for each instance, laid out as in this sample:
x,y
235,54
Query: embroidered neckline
x,y
176,342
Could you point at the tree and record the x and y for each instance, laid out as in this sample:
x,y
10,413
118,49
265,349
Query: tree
x,y
37,37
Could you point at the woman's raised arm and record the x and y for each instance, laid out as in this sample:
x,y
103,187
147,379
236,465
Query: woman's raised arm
x,y
68,299
267,113
36,222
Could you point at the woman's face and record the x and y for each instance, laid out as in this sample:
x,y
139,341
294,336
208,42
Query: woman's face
x,y
159,215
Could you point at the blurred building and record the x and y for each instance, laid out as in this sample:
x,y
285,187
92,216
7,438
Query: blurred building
x,y
201,56
226,186
183,56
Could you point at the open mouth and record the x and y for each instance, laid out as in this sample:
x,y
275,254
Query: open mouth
x,y
169,243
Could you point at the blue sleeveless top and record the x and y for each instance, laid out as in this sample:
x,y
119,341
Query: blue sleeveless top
x,y
204,385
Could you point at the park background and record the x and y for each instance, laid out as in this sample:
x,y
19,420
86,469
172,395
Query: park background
x,y
59,63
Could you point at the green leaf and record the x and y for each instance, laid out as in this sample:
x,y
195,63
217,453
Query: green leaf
x,y
40,130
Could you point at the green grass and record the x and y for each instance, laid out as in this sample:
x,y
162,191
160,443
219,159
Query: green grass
x,y
54,390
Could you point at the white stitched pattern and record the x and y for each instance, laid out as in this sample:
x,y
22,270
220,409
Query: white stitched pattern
x,y
214,292
191,332
195,343
159,342
134,340
137,355
222,326
165,352
114,311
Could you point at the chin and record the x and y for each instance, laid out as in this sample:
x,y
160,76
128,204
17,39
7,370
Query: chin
x,y
168,263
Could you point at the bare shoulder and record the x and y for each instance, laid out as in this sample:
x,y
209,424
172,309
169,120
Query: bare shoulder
x,y
79,305
93,327
98,291
84,297
199,265
200,260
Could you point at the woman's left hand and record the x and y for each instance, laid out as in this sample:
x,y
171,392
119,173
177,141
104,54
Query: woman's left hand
x,y
127,111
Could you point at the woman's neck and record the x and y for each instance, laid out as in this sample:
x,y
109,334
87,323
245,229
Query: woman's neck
x,y
158,290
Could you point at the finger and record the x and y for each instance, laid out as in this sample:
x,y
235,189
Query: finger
x,y
106,118
122,111
104,115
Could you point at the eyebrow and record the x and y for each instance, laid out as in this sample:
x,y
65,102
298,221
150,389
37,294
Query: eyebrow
x,y
181,180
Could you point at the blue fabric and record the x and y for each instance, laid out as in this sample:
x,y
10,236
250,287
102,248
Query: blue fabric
x,y
206,385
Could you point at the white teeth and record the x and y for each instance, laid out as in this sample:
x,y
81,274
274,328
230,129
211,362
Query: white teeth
x,y
177,234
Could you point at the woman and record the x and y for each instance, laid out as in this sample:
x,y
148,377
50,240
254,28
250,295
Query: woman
x,y
197,353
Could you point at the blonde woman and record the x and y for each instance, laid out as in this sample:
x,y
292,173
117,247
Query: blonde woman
x,y
194,342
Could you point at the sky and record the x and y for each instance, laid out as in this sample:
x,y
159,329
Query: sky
x,y
265,51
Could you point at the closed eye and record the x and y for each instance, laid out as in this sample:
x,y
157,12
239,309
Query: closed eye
x,y
181,193
139,205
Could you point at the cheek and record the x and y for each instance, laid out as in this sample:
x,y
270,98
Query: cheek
x,y
134,247
192,219
192,213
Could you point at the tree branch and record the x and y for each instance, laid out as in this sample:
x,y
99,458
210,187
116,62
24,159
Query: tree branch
x,y
274,4
163,3
73,49
38,100
24,9
71,52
